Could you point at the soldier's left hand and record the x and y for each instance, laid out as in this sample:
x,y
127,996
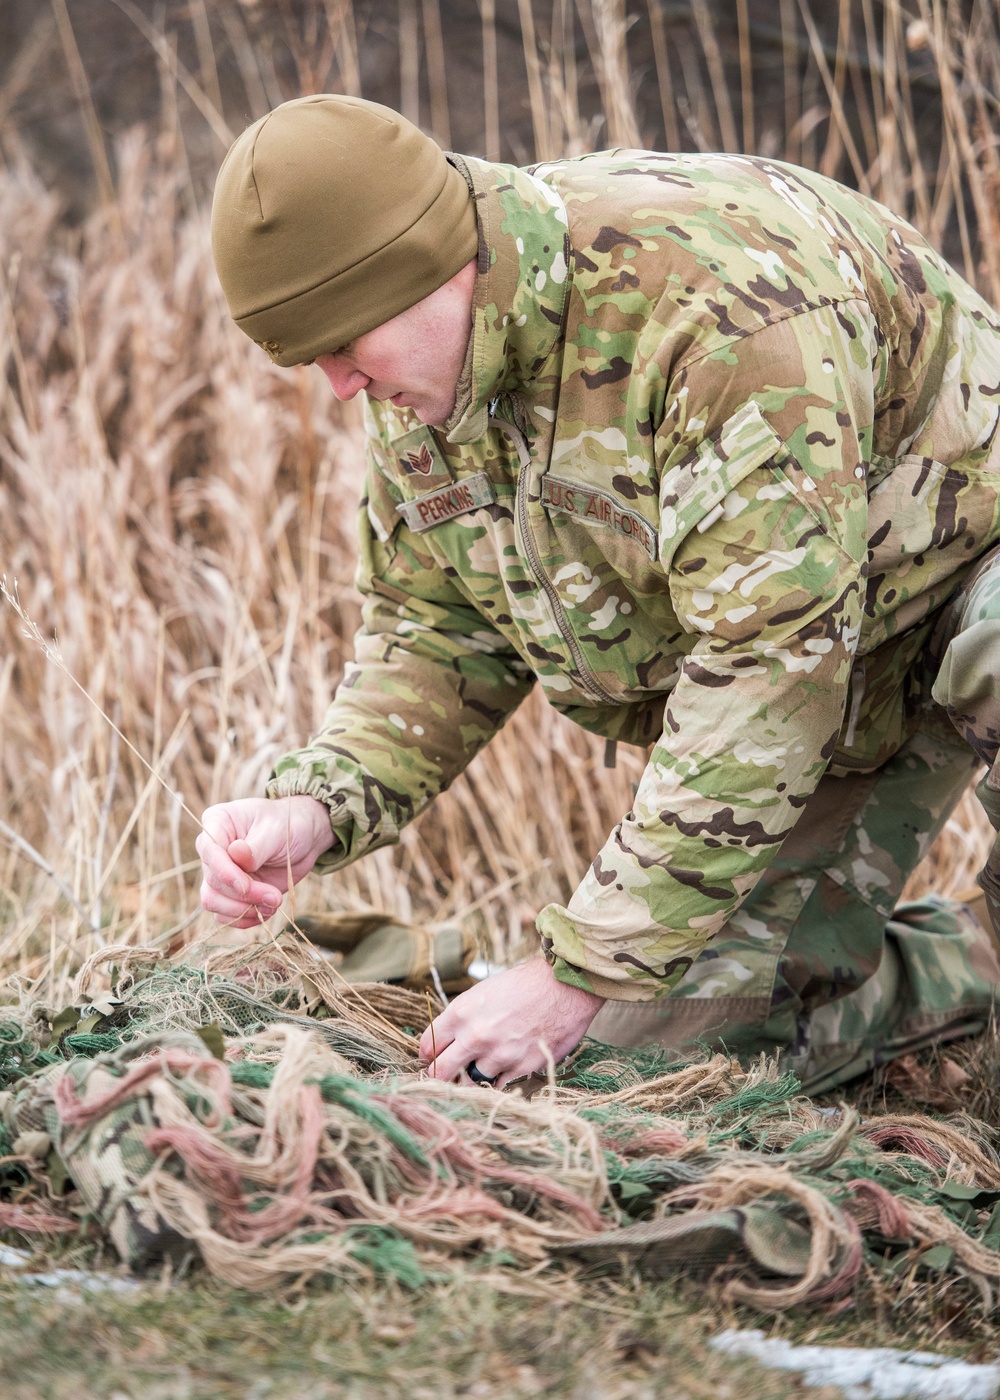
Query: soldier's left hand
x,y
503,1023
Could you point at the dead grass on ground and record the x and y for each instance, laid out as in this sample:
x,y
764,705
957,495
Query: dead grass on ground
x,y
462,1340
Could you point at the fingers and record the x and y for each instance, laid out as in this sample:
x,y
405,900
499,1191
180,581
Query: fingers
x,y
458,1036
453,1065
448,1058
247,847
220,824
513,1025
218,870
433,1041
222,875
225,907
238,912
228,890
242,854
450,1063
443,1054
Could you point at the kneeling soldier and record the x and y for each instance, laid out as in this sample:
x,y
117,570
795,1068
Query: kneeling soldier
x,y
707,446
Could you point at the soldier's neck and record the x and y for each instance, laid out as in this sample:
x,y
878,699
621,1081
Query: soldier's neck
x,y
520,294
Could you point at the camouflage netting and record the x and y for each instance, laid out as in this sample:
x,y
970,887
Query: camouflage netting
x,y
263,1115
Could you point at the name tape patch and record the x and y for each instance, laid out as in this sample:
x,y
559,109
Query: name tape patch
x,y
446,502
599,509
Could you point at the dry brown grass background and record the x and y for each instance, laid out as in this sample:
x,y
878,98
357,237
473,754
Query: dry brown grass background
x,y
178,514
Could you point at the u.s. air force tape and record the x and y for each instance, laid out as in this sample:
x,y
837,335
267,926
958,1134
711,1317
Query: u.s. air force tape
x,y
457,498
598,508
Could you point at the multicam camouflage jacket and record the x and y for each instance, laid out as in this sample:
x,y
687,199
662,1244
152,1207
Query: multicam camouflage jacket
x,y
724,447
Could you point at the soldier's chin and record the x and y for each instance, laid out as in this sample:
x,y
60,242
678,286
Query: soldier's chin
x,y
431,414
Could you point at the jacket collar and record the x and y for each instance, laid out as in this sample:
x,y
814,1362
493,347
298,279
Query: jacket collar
x,y
521,288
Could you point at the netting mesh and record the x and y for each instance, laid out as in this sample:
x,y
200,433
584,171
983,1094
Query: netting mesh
x,y
263,1116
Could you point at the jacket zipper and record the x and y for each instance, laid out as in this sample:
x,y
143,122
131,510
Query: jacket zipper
x,y
587,677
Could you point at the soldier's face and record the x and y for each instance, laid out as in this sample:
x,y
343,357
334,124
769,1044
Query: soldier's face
x,y
415,359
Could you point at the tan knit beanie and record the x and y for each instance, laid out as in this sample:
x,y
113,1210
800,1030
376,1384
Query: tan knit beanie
x,y
331,216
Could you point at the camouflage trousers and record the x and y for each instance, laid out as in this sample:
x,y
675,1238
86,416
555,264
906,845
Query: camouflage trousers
x,y
820,964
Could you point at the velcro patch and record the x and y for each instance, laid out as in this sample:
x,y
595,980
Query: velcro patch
x,y
692,491
420,457
446,502
598,508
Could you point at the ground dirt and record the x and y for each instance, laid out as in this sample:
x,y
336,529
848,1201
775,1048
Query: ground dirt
x,y
196,1341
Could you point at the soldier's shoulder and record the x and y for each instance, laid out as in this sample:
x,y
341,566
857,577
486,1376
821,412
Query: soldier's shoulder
x,y
678,178
772,204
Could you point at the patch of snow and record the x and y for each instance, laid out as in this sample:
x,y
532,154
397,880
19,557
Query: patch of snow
x,y
868,1373
65,1279
81,1278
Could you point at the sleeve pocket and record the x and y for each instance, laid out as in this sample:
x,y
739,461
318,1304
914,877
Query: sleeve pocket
x,y
381,500
693,491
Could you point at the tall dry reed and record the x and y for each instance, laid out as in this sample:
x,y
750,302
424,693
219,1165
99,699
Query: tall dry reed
x,y
178,514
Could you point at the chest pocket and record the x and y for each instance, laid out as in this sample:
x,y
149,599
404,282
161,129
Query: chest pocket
x,y
693,492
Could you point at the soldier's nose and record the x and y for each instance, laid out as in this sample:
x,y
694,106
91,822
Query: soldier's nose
x,y
344,379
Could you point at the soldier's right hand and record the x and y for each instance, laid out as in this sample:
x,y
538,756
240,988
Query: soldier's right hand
x,y
249,848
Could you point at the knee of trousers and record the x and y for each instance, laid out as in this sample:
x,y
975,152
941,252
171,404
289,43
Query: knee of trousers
x,y
967,685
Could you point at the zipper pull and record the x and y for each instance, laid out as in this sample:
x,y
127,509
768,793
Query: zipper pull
x,y
515,435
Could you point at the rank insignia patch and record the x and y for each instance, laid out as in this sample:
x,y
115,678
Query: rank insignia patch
x,y
419,461
420,456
